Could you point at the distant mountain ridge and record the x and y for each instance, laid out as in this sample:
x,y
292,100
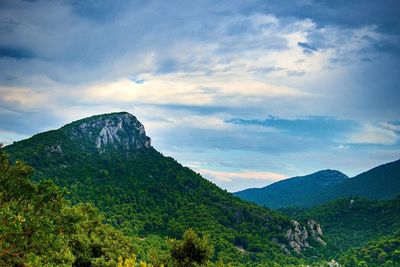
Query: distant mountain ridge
x,y
293,191
382,182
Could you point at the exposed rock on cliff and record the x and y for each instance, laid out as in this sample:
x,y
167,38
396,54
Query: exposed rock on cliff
x,y
116,130
299,236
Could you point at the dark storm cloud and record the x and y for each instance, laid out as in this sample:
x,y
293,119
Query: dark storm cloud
x,y
307,48
17,53
344,13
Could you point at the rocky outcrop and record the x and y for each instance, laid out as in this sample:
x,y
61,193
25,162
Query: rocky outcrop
x,y
316,232
115,130
333,263
54,149
299,236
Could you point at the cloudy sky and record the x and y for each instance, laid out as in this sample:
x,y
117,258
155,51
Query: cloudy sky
x,y
244,92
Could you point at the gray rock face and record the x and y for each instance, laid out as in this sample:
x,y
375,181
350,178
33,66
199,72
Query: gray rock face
x,y
52,150
316,231
298,236
55,149
115,130
333,263
108,134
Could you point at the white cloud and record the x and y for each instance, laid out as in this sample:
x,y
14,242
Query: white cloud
x,y
371,134
23,97
342,147
187,90
246,175
235,181
391,126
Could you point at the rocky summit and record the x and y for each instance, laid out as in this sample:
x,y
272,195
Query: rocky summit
x,y
114,130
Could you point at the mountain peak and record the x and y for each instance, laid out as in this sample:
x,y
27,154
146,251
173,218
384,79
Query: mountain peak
x,y
113,130
293,191
326,177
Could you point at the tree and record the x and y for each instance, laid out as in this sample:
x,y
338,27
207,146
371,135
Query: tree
x,y
38,227
191,251
30,219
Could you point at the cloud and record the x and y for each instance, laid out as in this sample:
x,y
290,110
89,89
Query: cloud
x,y
345,14
267,177
26,97
236,181
371,134
203,76
198,132
247,55
187,90
317,127
342,147
391,126
307,48
15,52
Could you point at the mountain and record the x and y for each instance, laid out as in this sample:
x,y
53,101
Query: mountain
x,y
108,160
382,182
294,191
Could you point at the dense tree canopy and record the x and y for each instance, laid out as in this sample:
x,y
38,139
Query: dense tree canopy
x,y
39,228
191,251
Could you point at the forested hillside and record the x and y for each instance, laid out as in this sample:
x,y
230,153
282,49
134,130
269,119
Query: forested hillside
x,y
107,160
351,223
384,251
38,227
382,182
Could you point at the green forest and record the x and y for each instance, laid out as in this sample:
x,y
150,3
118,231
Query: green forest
x,y
39,227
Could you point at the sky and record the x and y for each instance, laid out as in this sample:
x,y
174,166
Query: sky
x,y
244,92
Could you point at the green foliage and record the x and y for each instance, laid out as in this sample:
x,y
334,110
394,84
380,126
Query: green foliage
x,y
351,223
30,219
384,251
39,228
191,251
